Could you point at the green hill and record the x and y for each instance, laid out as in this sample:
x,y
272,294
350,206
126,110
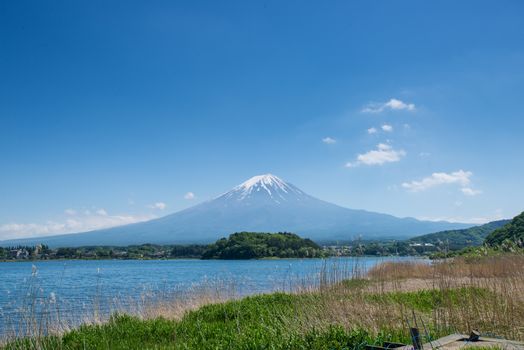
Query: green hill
x,y
255,245
512,231
457,239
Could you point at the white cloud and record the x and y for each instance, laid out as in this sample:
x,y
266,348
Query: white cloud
x,y
383,154
392,104
70,212
387,128
497,215
329,140
461,178
189,196
468,191
82,222
158,205
101,212
372,130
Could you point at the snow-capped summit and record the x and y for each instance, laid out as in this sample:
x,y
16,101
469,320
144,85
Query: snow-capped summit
x,y
263,181
268,185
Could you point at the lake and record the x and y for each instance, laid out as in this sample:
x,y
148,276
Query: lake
x,y
72,289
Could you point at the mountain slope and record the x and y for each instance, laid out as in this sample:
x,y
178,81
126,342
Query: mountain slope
x,y
263,203
513,231
457,239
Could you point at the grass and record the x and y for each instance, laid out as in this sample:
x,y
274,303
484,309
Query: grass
x,y
260,322
451,296
428,300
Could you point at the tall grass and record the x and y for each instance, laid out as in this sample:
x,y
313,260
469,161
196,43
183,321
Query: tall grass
x,y
492,297
343,306
37,315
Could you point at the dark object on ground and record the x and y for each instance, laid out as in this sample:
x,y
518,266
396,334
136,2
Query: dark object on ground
x,y
474,335
453,341
386,345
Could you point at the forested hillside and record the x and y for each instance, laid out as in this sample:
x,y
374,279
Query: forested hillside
x,y
512,231
254,245
458,239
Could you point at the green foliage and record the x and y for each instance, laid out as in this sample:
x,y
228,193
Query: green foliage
x,y
512,232
255,245
458,239
390,248
258,322
143,251
122,332
271,321
429,300
355,283
506,239
471,253
378,248
243,245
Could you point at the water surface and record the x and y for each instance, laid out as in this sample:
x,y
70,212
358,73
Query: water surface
x,y
72,289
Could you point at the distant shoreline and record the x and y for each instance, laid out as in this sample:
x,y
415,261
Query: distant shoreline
x,y
200,259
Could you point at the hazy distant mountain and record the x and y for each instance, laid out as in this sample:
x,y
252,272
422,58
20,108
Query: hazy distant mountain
x,y
456,239
263,203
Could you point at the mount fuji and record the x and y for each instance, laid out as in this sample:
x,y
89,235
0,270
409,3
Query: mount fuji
x,y
263,203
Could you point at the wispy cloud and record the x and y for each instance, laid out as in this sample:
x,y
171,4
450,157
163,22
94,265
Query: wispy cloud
x,y
101,212
70,212
497,215
77,222
460,177
384,153
329,140
470,191
392,104
372,130
158,205
387,128
189,196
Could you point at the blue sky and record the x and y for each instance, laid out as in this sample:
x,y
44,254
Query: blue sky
x,y
113,112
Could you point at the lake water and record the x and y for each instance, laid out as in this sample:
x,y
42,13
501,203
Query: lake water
x,y
72,289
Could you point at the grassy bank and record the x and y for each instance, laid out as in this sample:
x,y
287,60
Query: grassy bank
x,y
451,296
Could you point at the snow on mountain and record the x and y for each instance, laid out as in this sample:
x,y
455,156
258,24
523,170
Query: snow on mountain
x,y
268,185
264,203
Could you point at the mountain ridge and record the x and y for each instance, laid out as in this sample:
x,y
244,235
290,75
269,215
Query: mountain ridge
x,y
263,203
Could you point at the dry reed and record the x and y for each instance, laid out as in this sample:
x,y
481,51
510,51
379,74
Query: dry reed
x,y
455,295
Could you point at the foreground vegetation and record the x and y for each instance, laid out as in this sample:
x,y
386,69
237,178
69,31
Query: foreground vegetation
x,y
334,313
342,309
